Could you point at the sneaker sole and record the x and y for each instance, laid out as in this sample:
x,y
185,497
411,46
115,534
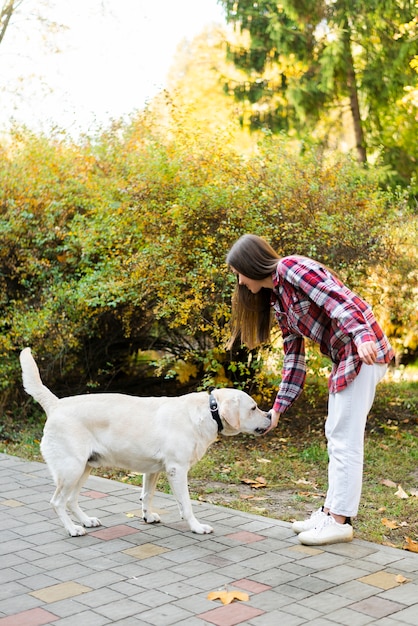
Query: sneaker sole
x,y
324,542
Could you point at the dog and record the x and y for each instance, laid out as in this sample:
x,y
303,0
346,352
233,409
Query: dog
x,y
143,434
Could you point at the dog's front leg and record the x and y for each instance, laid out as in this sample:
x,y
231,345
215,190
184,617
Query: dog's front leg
x,y
149,483
177,477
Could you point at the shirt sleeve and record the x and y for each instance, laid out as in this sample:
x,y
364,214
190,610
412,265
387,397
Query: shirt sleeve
x,y
339,303
293,373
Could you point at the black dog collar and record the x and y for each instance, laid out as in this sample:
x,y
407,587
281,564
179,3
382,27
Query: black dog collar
x,y
213,405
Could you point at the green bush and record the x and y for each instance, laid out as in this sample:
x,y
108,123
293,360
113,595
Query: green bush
x,y
112,264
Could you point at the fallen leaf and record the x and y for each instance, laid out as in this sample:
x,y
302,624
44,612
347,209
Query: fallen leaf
x,y
401,579
392,524
382,509
387,483
410,545
414,492
309,494
255,484
401,493
245,496
130,515
263,461
226,597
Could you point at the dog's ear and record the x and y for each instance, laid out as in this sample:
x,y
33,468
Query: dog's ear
x,y
229,411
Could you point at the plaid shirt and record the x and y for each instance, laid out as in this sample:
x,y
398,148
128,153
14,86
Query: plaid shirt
x,y
310,302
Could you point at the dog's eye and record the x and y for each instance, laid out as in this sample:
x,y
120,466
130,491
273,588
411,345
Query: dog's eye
x,y
253,408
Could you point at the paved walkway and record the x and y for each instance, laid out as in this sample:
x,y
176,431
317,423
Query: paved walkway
x,y
129,573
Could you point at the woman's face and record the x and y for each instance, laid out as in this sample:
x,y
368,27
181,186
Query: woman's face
x,y
253,285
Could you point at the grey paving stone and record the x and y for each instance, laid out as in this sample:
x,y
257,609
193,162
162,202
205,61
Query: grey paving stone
x,y
312,583
317,588
406,593
273,618
409,615
152,598
347,617
121,609
165,615
86,618
355,590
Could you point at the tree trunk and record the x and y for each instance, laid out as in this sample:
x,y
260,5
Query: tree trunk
x,y
5,15
353,95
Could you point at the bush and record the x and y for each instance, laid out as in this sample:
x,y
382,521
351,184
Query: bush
x,y
112,264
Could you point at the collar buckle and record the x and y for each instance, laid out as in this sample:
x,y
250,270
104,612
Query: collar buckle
x,y
213,406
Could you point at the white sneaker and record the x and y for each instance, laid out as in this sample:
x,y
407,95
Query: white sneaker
x,y
327,531
308,524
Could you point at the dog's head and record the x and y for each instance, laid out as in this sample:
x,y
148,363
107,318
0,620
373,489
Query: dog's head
x,y
239,413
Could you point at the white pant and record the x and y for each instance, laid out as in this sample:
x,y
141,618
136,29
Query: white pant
x,y
344,430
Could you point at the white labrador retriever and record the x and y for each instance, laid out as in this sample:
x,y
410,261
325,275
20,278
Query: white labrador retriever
x,y
147,435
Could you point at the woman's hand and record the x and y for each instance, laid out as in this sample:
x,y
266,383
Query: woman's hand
x,y
275,416
367,352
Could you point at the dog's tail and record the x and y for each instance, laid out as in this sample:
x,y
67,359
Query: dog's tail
x,y
32,382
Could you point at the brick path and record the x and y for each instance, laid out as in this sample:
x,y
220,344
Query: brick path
x,y
130,573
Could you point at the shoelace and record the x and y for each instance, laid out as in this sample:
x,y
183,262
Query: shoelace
x,y
324,521
318,514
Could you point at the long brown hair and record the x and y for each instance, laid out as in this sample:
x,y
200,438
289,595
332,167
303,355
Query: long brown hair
x,y
251,315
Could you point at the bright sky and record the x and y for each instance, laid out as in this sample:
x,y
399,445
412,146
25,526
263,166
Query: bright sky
x,y
114,56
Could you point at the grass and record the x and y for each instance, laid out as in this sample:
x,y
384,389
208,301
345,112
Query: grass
x,y
284,474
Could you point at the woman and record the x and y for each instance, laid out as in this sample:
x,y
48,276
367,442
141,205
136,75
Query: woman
x,y
310,301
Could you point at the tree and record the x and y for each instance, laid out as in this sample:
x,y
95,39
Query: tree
x,y
5,16
307,59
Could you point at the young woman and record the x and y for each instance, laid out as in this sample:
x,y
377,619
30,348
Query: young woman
x,y
309,301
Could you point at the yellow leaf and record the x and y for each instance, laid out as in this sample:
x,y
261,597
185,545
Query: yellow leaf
x,y
226,597
410,545
389,523
401,579
401,493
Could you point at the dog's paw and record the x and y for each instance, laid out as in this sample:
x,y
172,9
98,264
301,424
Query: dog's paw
x,y
77,531
151,518
201,529
92,522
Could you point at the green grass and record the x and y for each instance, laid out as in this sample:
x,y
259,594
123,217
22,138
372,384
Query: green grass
x,y
292,461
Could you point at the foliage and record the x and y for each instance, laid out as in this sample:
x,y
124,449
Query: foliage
x,y
112,260
309,63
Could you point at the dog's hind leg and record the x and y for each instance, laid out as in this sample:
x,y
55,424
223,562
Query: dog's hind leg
x,y
149,483
177,477
74,507
59,504
68,486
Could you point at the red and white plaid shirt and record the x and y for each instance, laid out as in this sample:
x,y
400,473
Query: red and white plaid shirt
x,y
310,302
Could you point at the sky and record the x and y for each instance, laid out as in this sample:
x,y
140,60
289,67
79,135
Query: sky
x,y
114,55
